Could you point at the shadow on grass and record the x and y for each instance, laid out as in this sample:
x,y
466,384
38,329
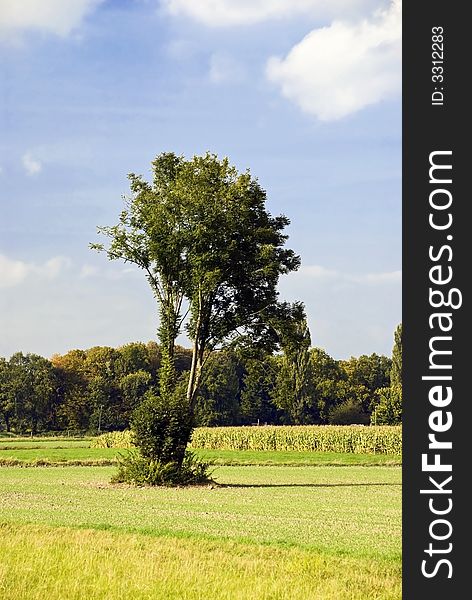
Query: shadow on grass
x,y
308,485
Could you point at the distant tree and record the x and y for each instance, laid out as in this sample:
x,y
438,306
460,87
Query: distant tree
x,y
388,408
131,358
219,394
7,401
258,388
396,372
201,233
387,405
30,390
329,383
295,392
133,388
74,408
367,374
103,389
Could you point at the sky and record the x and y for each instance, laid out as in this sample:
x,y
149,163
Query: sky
x,y
304,93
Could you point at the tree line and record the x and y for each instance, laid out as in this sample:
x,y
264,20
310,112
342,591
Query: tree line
x,y
98,389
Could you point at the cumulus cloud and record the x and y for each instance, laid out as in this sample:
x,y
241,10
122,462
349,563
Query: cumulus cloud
x,y
337,70
32,165
224,13
225,69
14,272
59,17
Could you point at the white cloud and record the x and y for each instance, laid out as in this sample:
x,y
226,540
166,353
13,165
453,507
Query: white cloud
x,y
89,271
59,17
223,13
53,267
317,272
225,69
340,69
349,313
14,272
379,278
32,165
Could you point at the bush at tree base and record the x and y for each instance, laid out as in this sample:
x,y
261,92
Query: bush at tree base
x,y
139,470
161,428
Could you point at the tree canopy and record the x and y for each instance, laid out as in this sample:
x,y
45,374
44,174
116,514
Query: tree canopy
x,y
211,252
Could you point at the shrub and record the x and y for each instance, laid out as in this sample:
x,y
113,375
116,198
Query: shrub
x,y
161,429
139,470
347,413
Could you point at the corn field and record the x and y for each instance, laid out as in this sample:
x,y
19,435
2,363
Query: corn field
x,y
373,439
113,439
379,439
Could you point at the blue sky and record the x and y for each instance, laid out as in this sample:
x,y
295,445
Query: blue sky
x,y
305,93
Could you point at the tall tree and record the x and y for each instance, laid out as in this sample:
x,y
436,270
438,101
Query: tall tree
x,y
396,372
388,402
295,392
202,235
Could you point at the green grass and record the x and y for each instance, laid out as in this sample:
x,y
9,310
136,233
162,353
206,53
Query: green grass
x,y
79,452
59,454
341,510
22,443
294,458
261,533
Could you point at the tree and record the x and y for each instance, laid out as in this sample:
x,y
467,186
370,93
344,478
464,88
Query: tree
x,y
367,374
73,389
387,406
30,392
202,235
329,382
295,392
7,404
219,394
388,409
396,372
258,385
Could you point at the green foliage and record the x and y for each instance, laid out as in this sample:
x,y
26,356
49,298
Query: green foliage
x,y
388,410
294,392
396,373
139,470
219,393
258,384
366,374
347,413
162,427
202,235
27,400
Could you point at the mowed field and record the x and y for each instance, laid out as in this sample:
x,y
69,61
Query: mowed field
x,y
275,525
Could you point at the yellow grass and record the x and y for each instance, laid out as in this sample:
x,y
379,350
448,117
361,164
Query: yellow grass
x,y
46,563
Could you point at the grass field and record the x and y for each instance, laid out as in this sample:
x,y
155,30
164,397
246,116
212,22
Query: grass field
x,y
62,452
264,531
